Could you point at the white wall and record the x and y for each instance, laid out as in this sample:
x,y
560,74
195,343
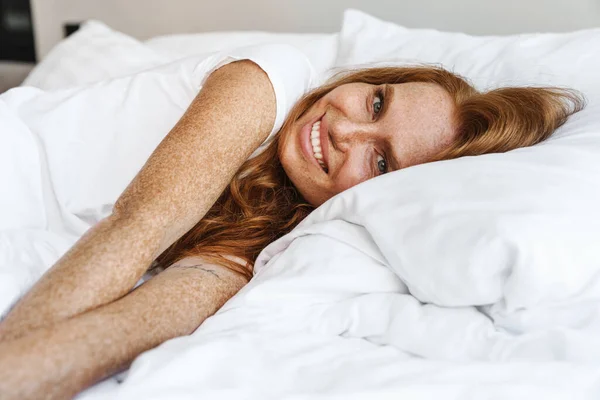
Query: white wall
x,y
12,73
146,18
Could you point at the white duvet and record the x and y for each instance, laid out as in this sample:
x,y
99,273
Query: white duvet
x,y
476,278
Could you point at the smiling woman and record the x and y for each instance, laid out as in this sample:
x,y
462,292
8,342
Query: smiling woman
x,y
361,124
379,120
202,211
364,130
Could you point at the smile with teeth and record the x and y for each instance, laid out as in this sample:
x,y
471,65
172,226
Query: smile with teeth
x,y
315,141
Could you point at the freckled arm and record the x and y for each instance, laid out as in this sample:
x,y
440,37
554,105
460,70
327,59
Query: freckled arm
x,y
59,361
233,113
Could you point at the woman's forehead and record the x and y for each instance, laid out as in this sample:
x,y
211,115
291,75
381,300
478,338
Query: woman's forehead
x,y
418,121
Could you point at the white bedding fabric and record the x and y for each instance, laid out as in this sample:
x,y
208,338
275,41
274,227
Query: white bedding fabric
x,y
563,59
399,288
97,52
476,278
374,296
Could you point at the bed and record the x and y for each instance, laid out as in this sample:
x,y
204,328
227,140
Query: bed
x,y
480,282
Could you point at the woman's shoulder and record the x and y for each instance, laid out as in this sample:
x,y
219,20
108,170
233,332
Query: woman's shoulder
x,y
288,69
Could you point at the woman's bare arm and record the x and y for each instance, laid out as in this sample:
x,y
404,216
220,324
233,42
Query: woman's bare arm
x,y
59,361
233,113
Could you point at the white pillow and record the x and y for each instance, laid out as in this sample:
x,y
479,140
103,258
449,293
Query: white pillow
x,y
320,48
514,230
515,233
567,59
94,53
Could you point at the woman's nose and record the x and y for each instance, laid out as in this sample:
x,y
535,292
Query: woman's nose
x,y
346,133
353,168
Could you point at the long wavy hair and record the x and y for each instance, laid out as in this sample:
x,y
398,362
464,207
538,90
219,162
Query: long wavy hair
x,y
260,204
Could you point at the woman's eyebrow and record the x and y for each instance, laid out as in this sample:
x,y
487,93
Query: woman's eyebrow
x,y
388,95
393,159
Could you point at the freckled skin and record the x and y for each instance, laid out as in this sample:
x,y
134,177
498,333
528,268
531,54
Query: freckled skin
x,y
81,322
418,124
77,352
78,324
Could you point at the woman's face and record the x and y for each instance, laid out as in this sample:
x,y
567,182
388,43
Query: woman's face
x,y
359,131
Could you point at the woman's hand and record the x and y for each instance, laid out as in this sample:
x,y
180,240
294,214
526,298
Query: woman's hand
x,y
233,113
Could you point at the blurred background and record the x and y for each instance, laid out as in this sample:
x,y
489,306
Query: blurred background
x,y
30,28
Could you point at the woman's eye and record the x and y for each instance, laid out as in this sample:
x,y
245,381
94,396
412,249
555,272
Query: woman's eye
x,y
377,104
381,164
